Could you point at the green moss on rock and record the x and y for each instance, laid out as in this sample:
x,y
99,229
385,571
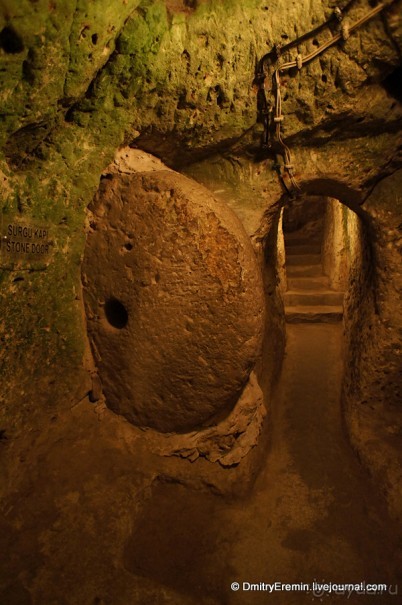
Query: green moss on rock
x,y
80,77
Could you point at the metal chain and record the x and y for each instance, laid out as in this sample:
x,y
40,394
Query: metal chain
x,y
278,144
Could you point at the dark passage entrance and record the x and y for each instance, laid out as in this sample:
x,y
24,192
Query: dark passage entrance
x,y
322,240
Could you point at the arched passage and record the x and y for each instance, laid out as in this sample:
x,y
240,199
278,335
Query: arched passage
x,y
361,276
331,186
312,470
332,280
324,249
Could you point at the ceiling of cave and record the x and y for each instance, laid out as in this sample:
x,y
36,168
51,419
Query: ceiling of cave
x,y
177,78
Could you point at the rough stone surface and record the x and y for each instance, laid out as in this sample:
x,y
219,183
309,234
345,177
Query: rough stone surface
x,y
228,442
182,267
342,235
373,377
176,78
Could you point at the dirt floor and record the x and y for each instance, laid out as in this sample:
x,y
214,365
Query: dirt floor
x,y
91,517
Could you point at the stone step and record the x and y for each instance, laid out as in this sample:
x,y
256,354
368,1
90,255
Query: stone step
x,y
314,314
304,271
299,240
308,283
313,297
303,259
303,249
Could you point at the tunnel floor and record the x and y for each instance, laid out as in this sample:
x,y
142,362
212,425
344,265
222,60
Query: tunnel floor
x,y
313,515
90,525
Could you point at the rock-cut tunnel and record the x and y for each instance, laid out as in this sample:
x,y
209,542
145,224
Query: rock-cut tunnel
x,y
200,319
181,308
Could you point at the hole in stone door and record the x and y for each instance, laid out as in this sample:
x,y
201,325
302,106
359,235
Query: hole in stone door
x,y
116,313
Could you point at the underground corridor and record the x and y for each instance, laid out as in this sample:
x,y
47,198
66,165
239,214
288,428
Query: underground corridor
x,y
200,318
313,511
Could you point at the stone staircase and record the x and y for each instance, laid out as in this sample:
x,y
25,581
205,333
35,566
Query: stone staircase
x,y
309,297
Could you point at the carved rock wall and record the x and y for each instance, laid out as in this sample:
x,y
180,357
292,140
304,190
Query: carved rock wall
x,y
373,332
176,78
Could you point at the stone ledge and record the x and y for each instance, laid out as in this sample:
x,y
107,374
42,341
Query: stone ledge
x,y
226,443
